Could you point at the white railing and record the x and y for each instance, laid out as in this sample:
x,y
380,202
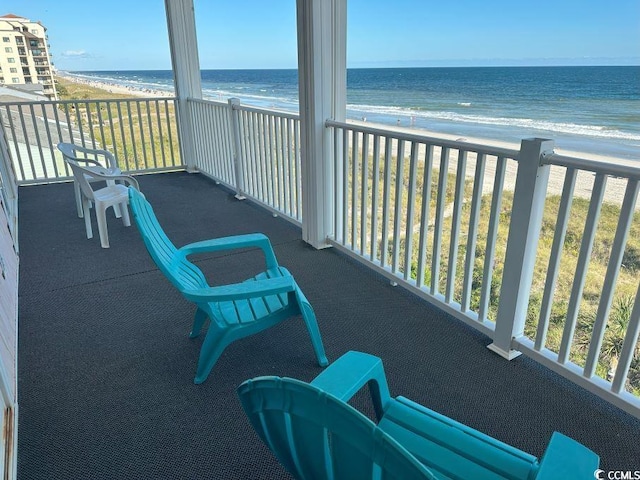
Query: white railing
x,y
459,223
255,152
142,133
538,251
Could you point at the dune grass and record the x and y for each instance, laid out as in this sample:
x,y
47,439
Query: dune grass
x,y
141,132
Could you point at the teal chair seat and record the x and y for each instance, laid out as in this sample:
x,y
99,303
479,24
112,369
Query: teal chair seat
x,y
234,311
315,434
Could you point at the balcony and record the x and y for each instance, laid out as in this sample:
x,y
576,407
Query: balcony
x,y
106,365
434,258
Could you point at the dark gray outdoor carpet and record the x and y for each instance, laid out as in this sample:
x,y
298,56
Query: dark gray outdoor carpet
x,y
106,366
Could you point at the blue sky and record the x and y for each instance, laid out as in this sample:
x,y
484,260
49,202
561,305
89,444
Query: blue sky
x,y
132,34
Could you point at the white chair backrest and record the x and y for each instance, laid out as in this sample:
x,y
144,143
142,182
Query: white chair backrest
x,y
79,175
87,155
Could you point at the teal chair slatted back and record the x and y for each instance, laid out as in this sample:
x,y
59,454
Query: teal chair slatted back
x,y
183,274
315,435
232,311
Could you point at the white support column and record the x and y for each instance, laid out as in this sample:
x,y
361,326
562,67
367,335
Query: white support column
x,y
322,71
522,243
186,71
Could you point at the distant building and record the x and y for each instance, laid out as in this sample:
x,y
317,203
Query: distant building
x,y
25,61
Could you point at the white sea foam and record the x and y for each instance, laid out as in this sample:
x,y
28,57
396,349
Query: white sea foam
x,y
594,131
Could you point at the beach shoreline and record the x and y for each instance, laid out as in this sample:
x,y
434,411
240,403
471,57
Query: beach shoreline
x,y
110,87
614,192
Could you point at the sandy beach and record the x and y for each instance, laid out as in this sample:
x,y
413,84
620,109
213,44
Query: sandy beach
x,y
614,192
116,88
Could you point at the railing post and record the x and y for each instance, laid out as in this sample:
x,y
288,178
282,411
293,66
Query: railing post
x,y
522,243
234,104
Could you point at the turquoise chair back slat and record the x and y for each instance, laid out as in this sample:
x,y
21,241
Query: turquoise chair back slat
x,y
183,274
315,435
234,311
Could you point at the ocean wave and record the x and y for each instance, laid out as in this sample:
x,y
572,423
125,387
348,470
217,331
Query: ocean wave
x,y
594,131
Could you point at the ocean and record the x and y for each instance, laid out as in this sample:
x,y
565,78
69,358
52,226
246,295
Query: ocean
x,y
584,109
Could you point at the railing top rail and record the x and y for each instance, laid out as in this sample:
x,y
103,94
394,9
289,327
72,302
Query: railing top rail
x,y
203,101
415,137
246,108
609,166
267,111
84,100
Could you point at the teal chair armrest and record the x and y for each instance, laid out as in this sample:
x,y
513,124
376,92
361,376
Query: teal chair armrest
x,y
240,291
352,371
567,459
257,240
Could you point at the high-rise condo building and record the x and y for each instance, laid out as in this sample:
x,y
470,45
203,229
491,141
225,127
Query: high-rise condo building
x,y
24,55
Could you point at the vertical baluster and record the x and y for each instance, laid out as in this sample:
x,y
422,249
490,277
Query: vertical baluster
x,y
337,187
122,136
364,194
113,132
411,199
270,158
581,269
33,175
474,216
375,180
76,109
103,140
36,134
345,186
244,131
397,211
492,236
51,146
141,125
157,104
424,215
386,200
133,137
553,269
152,137
455,225
354,189
280,164
298,175
437,232
87,107
290,170
170,130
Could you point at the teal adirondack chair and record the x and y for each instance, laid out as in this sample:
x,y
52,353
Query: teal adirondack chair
x,y
235,311
315,434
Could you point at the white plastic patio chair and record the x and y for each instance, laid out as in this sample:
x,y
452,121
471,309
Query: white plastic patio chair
x,y
92,159
114,195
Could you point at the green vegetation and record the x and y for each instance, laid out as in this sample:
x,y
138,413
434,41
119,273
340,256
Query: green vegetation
x,y
141,133
626,285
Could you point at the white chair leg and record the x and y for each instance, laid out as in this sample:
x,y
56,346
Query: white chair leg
x,y
126,220
116,207
102,224
79,206
87,217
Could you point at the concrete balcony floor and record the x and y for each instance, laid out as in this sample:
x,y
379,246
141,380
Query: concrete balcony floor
x,y
106,366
